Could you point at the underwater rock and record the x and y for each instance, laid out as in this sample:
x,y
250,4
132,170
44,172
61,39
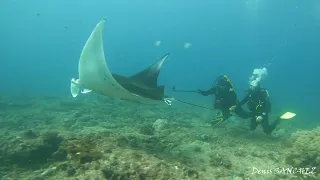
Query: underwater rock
x,y
81,150
30,134
160,124
59,155
71,171
146,114
147,129
29,153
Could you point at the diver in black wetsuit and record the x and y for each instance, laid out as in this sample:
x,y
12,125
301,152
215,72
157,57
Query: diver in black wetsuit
x,y
225,97
259,107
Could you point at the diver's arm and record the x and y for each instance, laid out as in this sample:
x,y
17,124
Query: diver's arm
x,y
244,100
232,101
208,92
261,114
234,98
265,107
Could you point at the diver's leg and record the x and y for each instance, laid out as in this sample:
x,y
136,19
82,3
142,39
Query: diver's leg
x,y
267,128
271,127
254,123
242,113
226,114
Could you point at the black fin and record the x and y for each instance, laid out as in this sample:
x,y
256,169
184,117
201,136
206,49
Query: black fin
x,y
149,76
139,88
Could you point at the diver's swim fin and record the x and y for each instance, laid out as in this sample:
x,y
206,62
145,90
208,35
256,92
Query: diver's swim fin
x,y
288,115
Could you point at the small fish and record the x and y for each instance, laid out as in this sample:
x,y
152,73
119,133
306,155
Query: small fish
x,y
187,45
157,43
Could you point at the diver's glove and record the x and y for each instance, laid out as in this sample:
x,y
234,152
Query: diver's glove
x,y
232,108
259,119
201,92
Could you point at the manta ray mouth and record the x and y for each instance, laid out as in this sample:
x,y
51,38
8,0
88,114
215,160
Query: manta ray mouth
x,y
95,75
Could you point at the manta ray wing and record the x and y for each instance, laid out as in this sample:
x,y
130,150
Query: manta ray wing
x,y
95,75
149,76
139,88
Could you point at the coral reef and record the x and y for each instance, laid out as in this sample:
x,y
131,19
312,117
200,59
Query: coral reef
x,y
305,150
81,150
29,152
101,138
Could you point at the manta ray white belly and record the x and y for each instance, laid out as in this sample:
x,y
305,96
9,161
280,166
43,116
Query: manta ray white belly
x,y
94,73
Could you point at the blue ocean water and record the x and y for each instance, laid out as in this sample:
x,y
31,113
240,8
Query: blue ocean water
x,y
41,41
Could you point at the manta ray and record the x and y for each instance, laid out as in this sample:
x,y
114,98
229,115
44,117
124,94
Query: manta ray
x,y
95,76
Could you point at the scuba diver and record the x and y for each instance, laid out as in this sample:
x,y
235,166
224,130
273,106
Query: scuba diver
x,y
226,101
225,98
259,106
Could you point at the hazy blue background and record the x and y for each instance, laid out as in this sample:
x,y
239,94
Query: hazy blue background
x,y
39,53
